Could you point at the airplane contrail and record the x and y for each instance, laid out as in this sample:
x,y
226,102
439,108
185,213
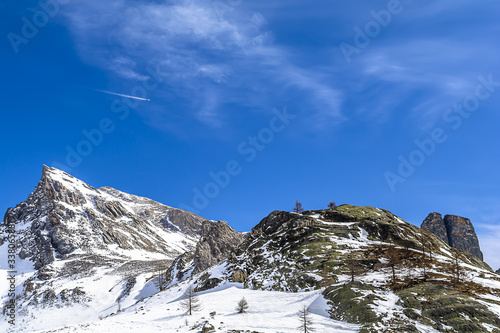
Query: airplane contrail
x,y
122,95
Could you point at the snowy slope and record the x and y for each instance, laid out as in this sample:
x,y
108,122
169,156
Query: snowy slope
x,y
269,312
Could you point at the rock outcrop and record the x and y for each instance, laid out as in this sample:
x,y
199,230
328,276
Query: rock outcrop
x,y
456,231
280,220
434,223
218,241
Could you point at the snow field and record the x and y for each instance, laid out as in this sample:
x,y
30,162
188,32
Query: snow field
x,y
269,312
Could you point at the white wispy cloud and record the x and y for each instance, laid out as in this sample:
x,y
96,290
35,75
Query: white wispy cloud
x,y
443,71
208,57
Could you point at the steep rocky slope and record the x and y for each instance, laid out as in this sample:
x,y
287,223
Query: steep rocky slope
x,y
82,246
218,241
64,215
456,231
374,269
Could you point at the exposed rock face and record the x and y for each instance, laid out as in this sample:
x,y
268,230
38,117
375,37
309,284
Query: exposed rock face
x,y
64,214
239,276
456,231
434,223
280,220
180,268
180,220
218,241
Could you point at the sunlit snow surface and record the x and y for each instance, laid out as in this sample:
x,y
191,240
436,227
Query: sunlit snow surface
x,y
269,311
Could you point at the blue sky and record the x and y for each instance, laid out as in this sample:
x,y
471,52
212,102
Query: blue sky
x,y
277,100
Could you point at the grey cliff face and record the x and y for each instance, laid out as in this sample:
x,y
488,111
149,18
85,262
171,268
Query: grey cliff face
x,y
180,220
64,214
218,241
456,231
462,235
434,224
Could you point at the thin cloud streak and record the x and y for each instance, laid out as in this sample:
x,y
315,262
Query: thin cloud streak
x,y
123,95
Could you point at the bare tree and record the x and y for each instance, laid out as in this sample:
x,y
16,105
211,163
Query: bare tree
x,y
306,322
332,204
429,249
425,264
457,271
191,301
425,261
242,306
298,207
394,258
326,278
353,266
408,252
161,275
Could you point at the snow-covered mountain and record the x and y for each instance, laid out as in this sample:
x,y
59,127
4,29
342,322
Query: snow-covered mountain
x,y
99,260
78,245
65,216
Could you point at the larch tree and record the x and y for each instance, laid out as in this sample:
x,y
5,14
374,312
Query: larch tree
x,y
394,259
457,271
426,260
161,275
242,306
306,322
353,266
191,301
326,277
298,207
332,204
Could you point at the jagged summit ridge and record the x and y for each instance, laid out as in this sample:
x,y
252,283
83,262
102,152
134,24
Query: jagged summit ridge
x,y
65,215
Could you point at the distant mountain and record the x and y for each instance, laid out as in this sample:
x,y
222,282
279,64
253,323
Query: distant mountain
x,y
456,231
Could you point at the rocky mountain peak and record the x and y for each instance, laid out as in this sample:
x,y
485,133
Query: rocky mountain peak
x,y
434,223
64,215
57,185
456,231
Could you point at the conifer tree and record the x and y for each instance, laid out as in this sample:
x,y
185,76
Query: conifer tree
x,y
191,301
306,322
242,306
